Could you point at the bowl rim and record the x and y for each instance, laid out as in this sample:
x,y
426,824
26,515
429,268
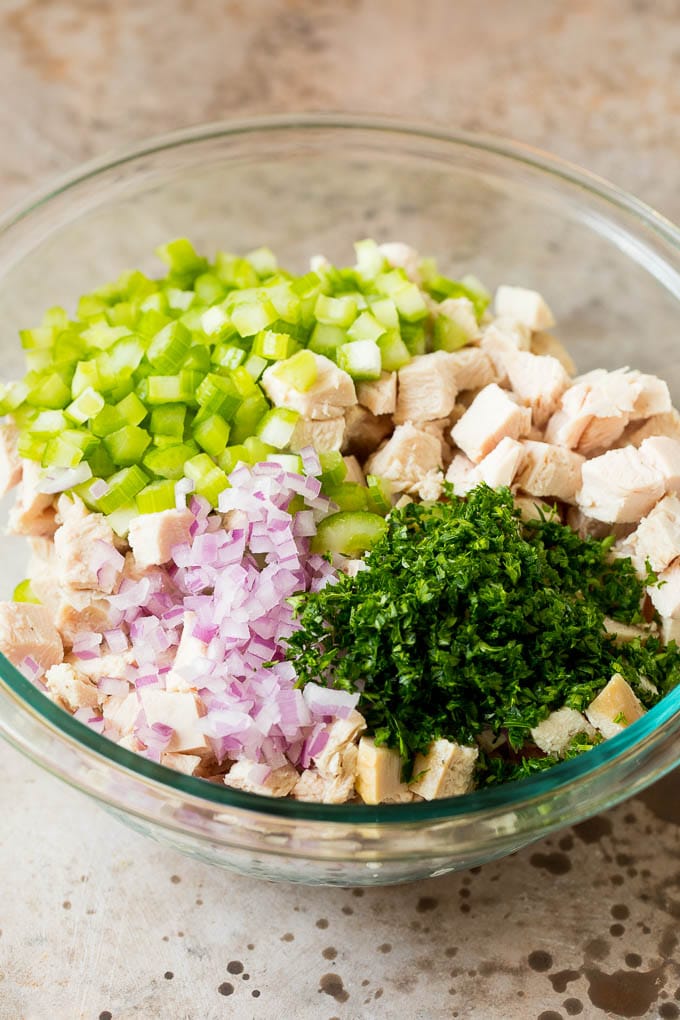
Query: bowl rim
x,y
662,721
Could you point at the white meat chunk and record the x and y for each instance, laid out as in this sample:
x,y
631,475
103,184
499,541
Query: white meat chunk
x,y
354,471
407,457
501,339
614,708
462,474
182,711
549,470
539,381
186,763
532,509
429,488
619,486
656,538
652,396
402,256
311,786
33,511
378,778
667,424
27,631
426,388
492,415
379,395
341,734
666,596
500,466
85,554
243,775
122,713
555,733
461,311
189,652
152,537
624,632
116,664
664,454
473,368
527,306
10,462
324,435
447,770
332,391
546,343
670,630
364,431
588,527
72,689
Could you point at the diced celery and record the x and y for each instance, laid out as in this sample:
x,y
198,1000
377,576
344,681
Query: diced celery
x,y
300,371
24,593
49,423
449,335
51,392
253,317
127,445
181,257
379,494
12,395
385,312
164,389
217,394
209,480
180,300
59,452
277,426
248,416
286,303
441,287
212,434
257,450
209,288
99,459
263,261
41,338
273,346
348,495
120,520
108,420
394,353
30,446
86,376
131,409
38,361
288,461
255,366
326,339
86,405
415,337
349,533
168,420
198,358
234,271
169,348
244,382
123,487
231,456
228,356
370,260
335,311
361,359
391,282
366,327
333,467
102,336
169,461
410,303
156,496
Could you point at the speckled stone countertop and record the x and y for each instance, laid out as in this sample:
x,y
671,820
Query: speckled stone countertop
x,y
96,922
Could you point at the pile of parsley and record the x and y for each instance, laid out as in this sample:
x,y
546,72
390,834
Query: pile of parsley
x,y
470,620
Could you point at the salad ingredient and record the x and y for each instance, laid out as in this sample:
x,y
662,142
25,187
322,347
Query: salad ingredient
x,y
492,415
615,707
27,635
466,619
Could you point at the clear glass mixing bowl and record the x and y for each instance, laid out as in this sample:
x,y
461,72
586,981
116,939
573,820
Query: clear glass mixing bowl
x,y
609,267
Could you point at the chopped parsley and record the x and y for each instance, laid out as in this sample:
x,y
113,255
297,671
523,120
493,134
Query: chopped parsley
x,y
469,620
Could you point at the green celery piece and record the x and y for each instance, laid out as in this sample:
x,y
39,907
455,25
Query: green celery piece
x,y
59,452
198,358
86,376
257,450
414,337
333,467
332,311
234,271
209,288
168,349
212,434
12,396
86,405
394,353
228,356
128,445
51,392
181,258
155,497
248,416
441,288
348,495
449,335
169,461
123,487
366,327
101,336
255,366
180,300
244,382
100,461
277,426
209,480
348,532
49,423
168,420
263,261
326,339
379,494
300,371
252,317
285,301
231,456
385,312
273,346
24,593
361,359
410,303
131,409
41,338
108,420
31,447
217,394
370,260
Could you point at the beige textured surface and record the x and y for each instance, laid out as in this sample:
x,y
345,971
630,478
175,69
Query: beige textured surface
x,y
94,920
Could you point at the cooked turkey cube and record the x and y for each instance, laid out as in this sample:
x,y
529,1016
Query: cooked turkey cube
x,y
71,688
491,416
364,431
379,395
666,595
462,474
462,312
501,339
657,537
527,306
122,713
549,470
27,631
500,467
624,632
313,787
279,783
426,388
447,770
663,454
378,778
325,436
332,391
667,424
472,368
539,381
407,456
10,462
86,556
341,734
180,710
153,536
619,486
554,734
186,763
33,510
616,707
355,471
670,630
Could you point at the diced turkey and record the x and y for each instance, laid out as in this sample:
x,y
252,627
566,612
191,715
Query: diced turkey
x,y
663,454
549,470
426,388
619,486
33,510
473,368
539,381
379,395
546,343
555,733
407,457
447,770
667,424
72,689
364,432
325,435
526,306
243,775
500,466
27,631
180,710
491,416
332,391
85,556
153,536
501,339
378,778
657,537
666,595
616,707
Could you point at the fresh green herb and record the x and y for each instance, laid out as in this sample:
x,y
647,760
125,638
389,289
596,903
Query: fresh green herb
x,y
468,619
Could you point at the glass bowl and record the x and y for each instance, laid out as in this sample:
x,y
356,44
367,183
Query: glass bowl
x,y
609,267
